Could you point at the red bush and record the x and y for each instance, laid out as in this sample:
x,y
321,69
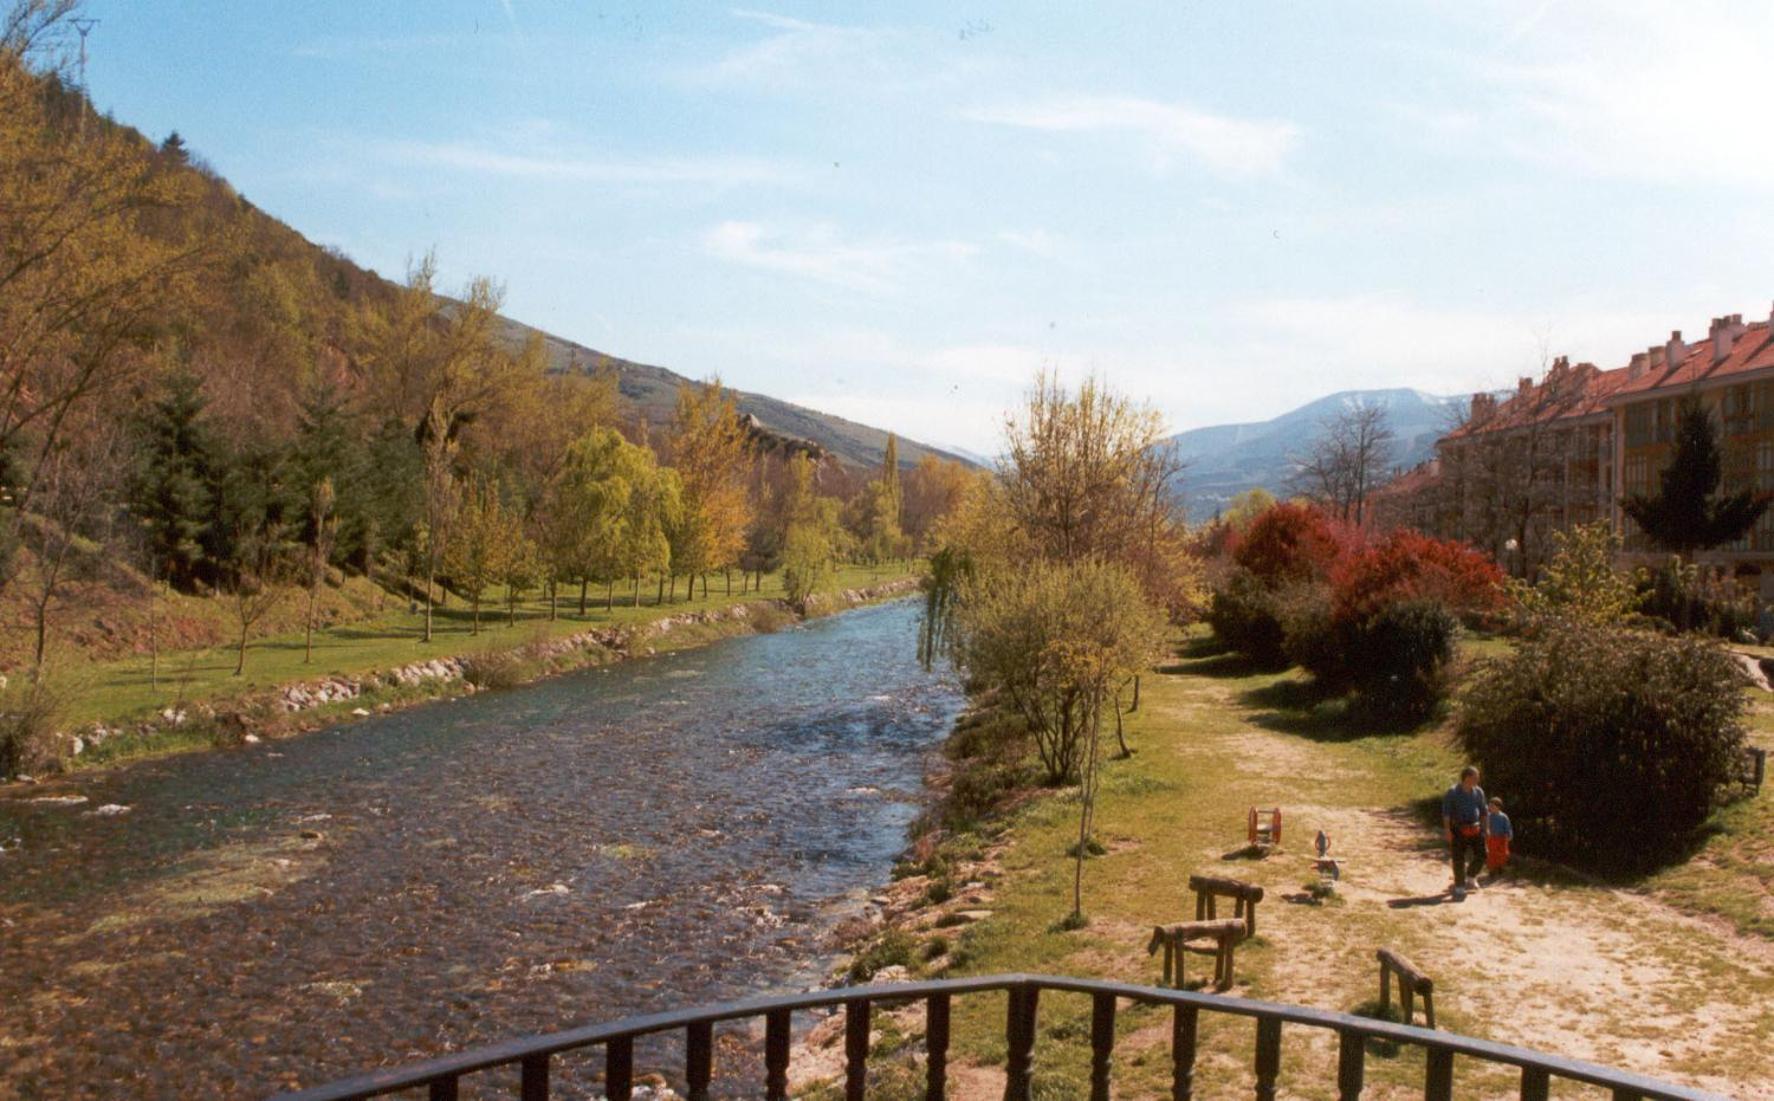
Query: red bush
x,y
1410,566
1293,542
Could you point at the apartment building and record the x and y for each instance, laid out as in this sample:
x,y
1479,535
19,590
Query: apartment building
x,y
1563,450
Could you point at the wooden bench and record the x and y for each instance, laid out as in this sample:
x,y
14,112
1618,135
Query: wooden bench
x,y
1204,938
1245,896
1411,983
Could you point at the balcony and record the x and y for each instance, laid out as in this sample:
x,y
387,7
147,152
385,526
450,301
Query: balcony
x,y
1444,1052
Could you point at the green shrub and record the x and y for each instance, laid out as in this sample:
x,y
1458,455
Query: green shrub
x,y
1706,601
1243,615
495,669
936,947
1611,747
1311,638
30,711
894,948
1400,659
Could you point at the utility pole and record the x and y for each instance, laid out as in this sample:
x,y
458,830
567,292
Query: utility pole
x,y
83,27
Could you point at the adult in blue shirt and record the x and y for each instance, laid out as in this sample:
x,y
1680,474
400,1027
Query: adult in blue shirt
x,y
1463,813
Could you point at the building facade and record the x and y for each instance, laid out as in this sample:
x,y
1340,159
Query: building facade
x,y
1564,450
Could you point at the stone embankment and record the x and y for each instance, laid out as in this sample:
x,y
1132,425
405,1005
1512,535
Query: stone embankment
x,y
245,719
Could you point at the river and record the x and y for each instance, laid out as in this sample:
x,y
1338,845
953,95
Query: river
x,y
667,831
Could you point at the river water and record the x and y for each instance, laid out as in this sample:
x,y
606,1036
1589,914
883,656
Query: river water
x,y
669,831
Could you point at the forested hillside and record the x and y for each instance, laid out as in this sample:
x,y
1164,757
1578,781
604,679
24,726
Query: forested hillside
x,y
207,423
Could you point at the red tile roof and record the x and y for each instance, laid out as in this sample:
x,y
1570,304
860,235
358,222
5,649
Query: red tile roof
x,y
1753,351
1582,391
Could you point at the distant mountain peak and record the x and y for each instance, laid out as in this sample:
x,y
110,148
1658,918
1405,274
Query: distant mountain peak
x,y
1227,459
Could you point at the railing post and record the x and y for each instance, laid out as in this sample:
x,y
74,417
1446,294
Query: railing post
x,y
1182,1052
444,1089
699,1050
1535,1084
619,1069
1268,1056
936,1047
1351,1053
534,1085
1102,1043
1438,1079
776,1055
856,1050
1019,1033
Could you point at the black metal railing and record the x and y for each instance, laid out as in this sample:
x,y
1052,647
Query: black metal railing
x,y
533,1054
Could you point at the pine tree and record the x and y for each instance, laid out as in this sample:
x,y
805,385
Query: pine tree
x,y
1687,514
173,498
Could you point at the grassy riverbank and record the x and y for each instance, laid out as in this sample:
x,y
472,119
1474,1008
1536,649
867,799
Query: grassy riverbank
x,y
1644,976
127,692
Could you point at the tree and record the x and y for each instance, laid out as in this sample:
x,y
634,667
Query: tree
x,y
1687,513
75,491
255,569
933,489
711,452
1347,460
881,504
91,271
323,527
814,531
1580,582
1057,640
1085,474
172,495
483,540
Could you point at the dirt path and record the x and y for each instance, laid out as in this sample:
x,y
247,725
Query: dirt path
x,y
1607,975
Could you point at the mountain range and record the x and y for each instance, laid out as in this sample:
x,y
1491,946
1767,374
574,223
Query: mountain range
x,y
1228,459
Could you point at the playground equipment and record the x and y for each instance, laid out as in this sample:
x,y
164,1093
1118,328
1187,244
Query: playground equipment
x,y
1411,982
1264,828
1218,939
1209,889
1327,866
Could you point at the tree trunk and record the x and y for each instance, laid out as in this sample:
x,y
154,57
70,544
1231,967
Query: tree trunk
x,y
430,582
674,588
42,637
554,599
610,595
240,661
475,630
582,584
308,632
1136,695
728,574
635,602
660,599
510,607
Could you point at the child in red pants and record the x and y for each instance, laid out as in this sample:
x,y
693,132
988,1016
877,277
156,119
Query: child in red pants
x,y
1497,837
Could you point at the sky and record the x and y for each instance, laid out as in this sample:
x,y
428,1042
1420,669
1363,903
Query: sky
x,y
899,213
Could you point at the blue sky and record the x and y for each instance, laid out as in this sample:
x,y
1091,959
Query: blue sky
x,y
899,212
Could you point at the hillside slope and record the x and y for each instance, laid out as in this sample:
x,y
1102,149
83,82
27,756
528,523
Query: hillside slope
x,y
652,391
1227,459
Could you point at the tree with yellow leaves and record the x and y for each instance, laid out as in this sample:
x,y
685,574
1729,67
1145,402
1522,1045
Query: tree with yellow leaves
x,y
711,452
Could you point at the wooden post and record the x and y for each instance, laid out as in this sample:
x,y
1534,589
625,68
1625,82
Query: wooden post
x,y
699,1047
444,1089
1268,1056
534,1079
1351,1052
1019,1031
1102,1044
856,1049
1182,1052
776,1024
936,1047
1438,1080
619,1069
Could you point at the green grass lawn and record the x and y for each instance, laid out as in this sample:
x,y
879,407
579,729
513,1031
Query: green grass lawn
x,y
1623,977
116,690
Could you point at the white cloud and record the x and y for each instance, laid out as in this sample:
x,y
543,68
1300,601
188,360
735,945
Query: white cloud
x,y
1636,90
1036,241
711,170
1233,146
822,254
